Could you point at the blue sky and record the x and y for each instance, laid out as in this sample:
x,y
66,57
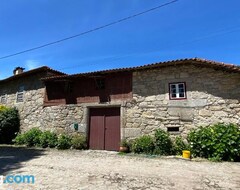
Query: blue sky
x,y
185,29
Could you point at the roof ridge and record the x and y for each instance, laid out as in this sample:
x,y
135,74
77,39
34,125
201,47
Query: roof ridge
x,y
47,68
42,68
157,64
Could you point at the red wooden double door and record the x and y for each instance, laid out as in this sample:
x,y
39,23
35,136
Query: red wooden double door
x,y
104,128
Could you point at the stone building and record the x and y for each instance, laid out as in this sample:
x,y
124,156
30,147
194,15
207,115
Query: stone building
x,y
25,91
175,96
125,103
181,95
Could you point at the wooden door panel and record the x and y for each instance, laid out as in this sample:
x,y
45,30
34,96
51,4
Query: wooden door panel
x,y
104,132
112,132
96,132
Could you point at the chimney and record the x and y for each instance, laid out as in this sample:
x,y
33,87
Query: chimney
x,y
18,70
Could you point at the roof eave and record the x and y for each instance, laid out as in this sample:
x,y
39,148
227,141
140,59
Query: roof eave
x,y
30,72
194,61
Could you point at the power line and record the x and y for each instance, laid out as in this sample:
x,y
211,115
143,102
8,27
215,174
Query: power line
x,y
90,31
211,35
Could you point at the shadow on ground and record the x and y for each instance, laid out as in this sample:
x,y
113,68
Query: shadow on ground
x,y
12,158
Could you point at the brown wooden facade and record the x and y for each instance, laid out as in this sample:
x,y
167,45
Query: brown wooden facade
x,y
89,89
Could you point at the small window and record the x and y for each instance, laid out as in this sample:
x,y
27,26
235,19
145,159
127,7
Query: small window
x,y
177,91
100,84
70,87
4,99
20,94
173,129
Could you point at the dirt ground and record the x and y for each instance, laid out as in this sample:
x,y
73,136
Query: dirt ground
x,y
89,169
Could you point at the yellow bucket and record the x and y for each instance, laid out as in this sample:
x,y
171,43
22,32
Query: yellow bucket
x,y
186,154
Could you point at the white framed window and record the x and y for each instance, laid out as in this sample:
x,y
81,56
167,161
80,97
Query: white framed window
x,y
177,91
20,94
3,99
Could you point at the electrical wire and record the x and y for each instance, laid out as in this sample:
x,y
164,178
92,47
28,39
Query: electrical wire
x,y
211,35
90,31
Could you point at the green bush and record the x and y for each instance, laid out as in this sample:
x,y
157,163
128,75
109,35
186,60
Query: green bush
x,y
32,137
20,139
163,143
124,143
79,142
9,124
143,144
64,142
180,145
35,137
216,142
130,143
48,139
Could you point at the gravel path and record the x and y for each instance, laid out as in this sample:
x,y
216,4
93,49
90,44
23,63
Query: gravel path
x,y
74,170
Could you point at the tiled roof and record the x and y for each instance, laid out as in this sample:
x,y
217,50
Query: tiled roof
x,y
33,71
193,61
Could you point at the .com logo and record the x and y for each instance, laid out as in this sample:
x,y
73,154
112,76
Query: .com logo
x,y
17,179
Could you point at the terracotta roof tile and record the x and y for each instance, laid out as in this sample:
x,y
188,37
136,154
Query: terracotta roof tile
x,y
194,61
33,71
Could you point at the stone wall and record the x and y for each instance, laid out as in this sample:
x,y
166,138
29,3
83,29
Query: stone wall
x,y
33,114
30,109
62,118
212,97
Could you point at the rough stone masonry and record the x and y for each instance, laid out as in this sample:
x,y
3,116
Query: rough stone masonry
x,y
212,97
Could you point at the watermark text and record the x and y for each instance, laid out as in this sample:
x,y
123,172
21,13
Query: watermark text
x,y
17,179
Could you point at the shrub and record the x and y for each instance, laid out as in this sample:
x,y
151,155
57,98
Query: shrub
x,y
9,124
3,108
48,139
124,143
64,142
20,139
79,142
143,144
163,143
130,143
217,142
32,137
180,145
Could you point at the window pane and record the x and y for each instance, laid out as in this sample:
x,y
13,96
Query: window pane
x,y
181,95
20,97
180,85
177,90
181,90
100,84
173,86
21,88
